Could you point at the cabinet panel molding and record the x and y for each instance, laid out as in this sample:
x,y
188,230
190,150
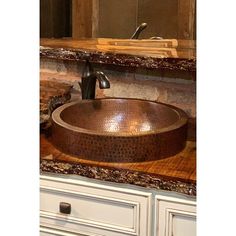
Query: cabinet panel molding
x,y
128,207
174,216
46,231
96,208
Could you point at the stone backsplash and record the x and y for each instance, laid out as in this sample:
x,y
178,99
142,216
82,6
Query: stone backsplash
x,y
175,88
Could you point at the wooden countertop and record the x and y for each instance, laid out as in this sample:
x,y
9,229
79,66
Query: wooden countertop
x,y
176,173
168,54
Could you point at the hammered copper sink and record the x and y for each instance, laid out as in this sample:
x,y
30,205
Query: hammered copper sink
x,y
119,130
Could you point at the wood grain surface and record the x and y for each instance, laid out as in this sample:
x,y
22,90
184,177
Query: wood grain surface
x,y
179,167
82,21
166,48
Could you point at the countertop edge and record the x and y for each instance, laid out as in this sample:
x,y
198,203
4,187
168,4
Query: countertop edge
x,y
119,59
119,176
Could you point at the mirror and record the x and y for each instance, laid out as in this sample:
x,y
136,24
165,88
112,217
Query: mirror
x,y
169,19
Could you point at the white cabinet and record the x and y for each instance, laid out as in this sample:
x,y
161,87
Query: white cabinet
x,y
101,209
175,216
96,209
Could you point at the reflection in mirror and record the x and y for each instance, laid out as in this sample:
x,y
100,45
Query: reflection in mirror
x,y
55,18
75,19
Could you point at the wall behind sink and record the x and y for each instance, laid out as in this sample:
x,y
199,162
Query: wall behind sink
x,y
171,87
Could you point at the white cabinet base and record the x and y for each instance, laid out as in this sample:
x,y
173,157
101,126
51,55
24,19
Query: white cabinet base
x,y
102,209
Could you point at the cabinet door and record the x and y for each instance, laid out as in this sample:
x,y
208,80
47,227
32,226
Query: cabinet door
x,y
175,217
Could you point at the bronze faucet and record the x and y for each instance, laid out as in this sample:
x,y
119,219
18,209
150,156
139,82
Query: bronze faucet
x,y
88,81
139,29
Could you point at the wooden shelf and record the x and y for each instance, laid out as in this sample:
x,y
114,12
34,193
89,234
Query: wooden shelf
x,y
170,54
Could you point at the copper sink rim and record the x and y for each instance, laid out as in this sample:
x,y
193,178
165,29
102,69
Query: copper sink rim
x,y
57,119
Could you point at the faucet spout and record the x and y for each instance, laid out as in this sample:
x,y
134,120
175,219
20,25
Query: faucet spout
x,y
103,80
139,30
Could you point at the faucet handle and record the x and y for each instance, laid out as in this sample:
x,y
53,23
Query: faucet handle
x,y
88,69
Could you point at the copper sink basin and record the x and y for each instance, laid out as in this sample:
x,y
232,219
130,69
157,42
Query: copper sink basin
x,y
119,130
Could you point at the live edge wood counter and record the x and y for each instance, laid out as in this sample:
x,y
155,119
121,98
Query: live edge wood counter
x,y
166,54
176,173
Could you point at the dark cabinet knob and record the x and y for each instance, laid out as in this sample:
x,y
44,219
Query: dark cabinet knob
x,y
65,208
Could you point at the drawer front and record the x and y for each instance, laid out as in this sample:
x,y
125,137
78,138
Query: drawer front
x,y
175,217
95,209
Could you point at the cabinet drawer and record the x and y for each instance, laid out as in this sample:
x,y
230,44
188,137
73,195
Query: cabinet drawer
x,y
175,217
95,209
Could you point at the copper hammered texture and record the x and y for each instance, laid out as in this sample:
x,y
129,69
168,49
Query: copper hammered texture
x,y
119,130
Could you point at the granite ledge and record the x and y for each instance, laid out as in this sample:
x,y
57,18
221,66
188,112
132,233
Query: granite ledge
x,y
119,176
124,60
